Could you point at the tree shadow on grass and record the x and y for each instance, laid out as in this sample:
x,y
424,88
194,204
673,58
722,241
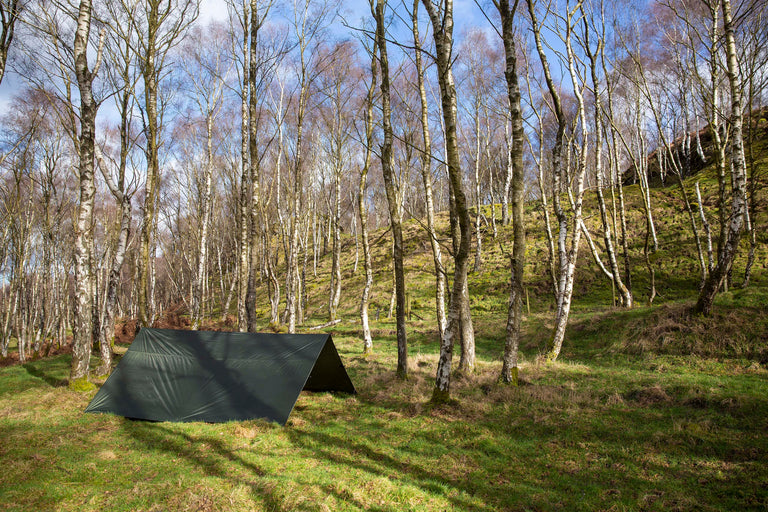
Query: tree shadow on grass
x,y
209,454
552,462
52,381
359,456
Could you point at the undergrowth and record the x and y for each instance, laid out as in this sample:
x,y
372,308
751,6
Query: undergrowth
x,y
651,408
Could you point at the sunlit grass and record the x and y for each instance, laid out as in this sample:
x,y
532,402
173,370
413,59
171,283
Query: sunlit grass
x,y
651,408
603,429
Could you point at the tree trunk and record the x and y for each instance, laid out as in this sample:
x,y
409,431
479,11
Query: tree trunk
x,y
108,327
363,208
335,295
202,248
389,183
509,369
242,207
426,177
82,329
442,27
478,234
253,153
738,174
618,283
707,230
568,257
151,76
752,187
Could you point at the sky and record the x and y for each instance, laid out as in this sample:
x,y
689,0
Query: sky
x,y
466,13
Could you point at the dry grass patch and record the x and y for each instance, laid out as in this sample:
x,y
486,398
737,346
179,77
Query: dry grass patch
x,y
675,329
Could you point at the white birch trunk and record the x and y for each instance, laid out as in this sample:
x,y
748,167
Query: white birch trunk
x,y
725,259
83,328
426,178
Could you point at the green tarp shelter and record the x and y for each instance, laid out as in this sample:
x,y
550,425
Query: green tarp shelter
x,y
171,375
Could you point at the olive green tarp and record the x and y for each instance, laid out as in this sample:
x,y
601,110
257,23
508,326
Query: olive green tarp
x,y
172,375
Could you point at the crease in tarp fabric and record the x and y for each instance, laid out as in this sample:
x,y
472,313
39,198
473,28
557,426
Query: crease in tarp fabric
x,y
172,375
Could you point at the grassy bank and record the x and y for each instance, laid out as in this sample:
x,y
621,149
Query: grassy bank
x,y
651,408
613,428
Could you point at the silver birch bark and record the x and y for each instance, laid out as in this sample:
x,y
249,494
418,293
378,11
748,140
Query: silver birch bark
x,y
426,178
83,327
616,174
338,134
713,111
707,231
725,259
202,248
165,24
242,206
459,322
509,370
275,283
389,182
618,283
567,256
363,206
208,84
150,74
505,218
257,19
292,263
491,184
123,200
125,80
640,163
478,216
666,151
538,157
558,172
752,181
307,28
335,295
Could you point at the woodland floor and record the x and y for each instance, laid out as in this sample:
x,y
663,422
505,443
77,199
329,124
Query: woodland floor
x,y
651,408
625,422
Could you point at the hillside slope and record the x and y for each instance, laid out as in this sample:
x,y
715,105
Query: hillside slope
x,y
646,409
738,327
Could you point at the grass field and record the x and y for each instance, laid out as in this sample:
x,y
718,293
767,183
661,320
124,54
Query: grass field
x,y
651,408
614,427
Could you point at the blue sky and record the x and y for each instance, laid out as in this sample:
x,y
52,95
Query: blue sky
x,y
466,14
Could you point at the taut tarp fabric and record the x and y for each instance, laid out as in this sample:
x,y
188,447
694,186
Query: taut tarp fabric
x,y
171,375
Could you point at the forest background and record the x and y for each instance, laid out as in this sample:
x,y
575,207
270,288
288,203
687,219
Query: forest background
x,y
545,179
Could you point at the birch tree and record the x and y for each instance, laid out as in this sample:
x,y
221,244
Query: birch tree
x,y
459,323
309,23
206,70
362,202
730,245
10,11
122,75
83,327
378,12
240,13
568,227
593,56
257,76
509,370
338,84
656,100
426,177
160,27
754,64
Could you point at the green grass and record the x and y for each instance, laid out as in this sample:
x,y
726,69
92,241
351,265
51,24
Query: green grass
x,y
651,408
605,430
